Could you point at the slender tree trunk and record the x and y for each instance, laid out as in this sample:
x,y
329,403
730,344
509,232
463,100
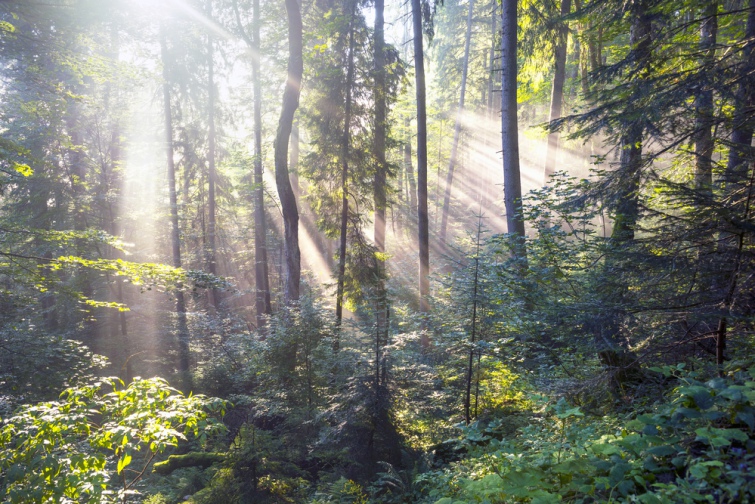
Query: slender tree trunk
x,y
262,304
285,191
627,209
183,331
491,63
345,151
512,183
468,395
704,101
211,175
409,167
557,92
422,216
381,327
457,127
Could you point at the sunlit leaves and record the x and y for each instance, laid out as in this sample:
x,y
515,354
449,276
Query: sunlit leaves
x,y
60,451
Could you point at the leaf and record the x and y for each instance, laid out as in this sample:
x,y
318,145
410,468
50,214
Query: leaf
x,y
23,169
123,462
662,451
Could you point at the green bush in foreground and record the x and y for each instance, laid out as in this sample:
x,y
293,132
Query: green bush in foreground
x,y
98,441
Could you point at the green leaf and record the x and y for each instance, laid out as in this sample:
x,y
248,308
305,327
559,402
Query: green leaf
x,y
123,462
23,169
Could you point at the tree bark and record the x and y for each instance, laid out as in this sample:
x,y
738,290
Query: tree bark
x,y
512,183
183,332
291,93
457,127
422,215
557,91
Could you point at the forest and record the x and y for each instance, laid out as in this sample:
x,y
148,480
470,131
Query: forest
x,y
358,251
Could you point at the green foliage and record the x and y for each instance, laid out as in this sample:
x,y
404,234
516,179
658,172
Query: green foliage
x,y
697,444
97,441
343,491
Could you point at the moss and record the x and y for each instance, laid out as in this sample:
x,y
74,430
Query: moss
x,y
192,459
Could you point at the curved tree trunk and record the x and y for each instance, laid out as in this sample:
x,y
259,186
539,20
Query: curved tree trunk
x,y
285,191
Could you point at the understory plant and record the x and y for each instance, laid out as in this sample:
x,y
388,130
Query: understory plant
x,y
698,445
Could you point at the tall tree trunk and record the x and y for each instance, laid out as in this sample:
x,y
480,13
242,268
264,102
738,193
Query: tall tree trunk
x,y
345,152
457,127
557,91
423,230
211,176
183,331
512,184
704,101
262,304
491,63
291,92
627,208
379,194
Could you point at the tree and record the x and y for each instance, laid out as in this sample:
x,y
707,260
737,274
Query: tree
x,y
262,282
704,143
630,164
183,330
345,153
423,223
512,185
557,93
381,175
291,92
211,172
